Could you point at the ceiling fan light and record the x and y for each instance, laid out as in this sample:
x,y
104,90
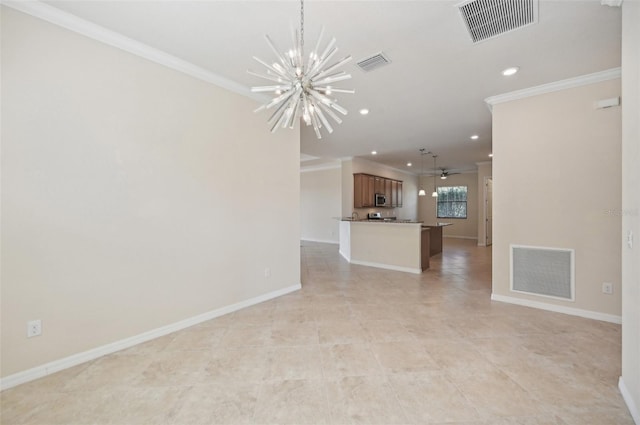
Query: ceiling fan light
x,y
443,176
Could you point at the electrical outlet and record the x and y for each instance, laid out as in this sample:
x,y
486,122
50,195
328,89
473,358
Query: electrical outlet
x,y
607,288
34,328
267,272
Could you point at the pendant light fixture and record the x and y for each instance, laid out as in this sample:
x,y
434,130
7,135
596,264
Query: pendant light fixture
x,y
435,171
303,89
422,192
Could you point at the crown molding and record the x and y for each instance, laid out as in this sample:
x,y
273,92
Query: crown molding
x,y
388,167
596,77
96,32
321,167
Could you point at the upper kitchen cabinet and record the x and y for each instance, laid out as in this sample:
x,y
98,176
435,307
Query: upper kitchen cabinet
x,y
365,187
363,190
396,197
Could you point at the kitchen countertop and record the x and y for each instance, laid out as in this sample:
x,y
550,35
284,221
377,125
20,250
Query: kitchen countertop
x,y
365,220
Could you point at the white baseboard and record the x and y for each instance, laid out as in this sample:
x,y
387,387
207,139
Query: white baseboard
x,y
387,266
460,237
346,257
76,359
559,309
631,405
319,240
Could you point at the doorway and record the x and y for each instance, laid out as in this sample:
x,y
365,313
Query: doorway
x,y
488,208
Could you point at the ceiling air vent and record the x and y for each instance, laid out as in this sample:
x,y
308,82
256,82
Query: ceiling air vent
x,y
373,62
486,19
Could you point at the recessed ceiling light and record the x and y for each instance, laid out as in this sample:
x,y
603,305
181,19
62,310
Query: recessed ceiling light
x,y
490,155
409,164
374,153
510,71
364,111
474,137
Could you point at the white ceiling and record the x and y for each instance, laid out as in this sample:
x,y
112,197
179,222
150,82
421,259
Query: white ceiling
x,y
431,95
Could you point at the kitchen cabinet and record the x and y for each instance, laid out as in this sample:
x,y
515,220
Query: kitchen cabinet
x,y
365,187
388,193
363,191
394,194
379,184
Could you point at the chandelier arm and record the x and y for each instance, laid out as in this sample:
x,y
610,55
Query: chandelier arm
x,y
328,48
324,99
287,116
284,72
328,80
260,89
275,49
337,90
292,118
266,77
330,113
339,108
316,127
324,120
332,67
279,121
313,56
284,97
322,62
260,61
276,113
295,54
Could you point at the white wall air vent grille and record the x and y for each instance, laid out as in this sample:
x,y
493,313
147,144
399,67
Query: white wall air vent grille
x,y
486,19
373,62
543,271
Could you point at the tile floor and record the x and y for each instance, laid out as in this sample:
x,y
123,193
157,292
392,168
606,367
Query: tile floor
x,y
356,345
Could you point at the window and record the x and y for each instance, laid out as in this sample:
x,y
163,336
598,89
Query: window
x,y
452,202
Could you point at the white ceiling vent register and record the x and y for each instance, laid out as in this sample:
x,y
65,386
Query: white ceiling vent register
x,y
547,272
373,62
486,19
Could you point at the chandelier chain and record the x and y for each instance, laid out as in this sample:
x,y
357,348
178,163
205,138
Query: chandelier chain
x,y
302,30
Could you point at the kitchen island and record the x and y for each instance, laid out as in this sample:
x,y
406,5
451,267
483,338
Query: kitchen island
x,y
395,245
435,231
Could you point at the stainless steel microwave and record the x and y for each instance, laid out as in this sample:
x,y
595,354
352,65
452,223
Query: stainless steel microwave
x,y
381,200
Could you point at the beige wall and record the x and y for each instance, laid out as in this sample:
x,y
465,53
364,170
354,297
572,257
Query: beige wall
x,y
133,196
409,210
320,200
556,176
484,172
630,383
461,227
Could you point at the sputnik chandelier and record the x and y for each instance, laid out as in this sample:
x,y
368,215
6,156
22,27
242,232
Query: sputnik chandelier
x,y
303,90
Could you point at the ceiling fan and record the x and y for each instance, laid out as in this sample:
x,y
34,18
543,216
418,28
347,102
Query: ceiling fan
x,y
446,174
